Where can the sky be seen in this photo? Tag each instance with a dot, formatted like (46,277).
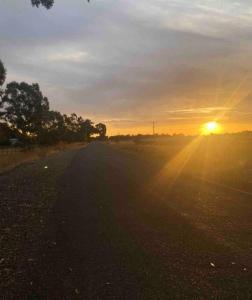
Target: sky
(127,63)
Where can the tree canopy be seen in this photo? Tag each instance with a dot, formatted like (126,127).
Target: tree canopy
(25,107)
(101,130)
(2,73)
(25,113)
(46,3)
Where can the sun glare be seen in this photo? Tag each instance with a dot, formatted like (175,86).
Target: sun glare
(210,127)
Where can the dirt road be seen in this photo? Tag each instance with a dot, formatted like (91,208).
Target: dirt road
(111,235)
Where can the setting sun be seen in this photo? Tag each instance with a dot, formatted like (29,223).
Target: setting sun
(210,127)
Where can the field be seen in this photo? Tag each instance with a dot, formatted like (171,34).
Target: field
(206,179)
(162,218)
(222,159)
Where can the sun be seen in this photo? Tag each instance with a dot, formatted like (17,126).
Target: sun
(211,127)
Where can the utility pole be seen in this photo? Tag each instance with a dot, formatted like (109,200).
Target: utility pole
(153,127)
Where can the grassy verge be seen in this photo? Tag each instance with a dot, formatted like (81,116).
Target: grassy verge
(13,159)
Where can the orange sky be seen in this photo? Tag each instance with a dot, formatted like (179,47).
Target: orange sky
(190,129)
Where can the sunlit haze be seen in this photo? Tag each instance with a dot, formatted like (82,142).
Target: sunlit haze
(211,128)
(128,63)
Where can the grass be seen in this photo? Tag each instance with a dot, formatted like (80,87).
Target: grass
(211,221)
(223,159)
(12,159)
(209,184)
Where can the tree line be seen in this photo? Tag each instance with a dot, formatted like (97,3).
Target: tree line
(25,114)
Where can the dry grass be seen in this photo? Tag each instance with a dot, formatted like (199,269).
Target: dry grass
(225,159)
(13,159)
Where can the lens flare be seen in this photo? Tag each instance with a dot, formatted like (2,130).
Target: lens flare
(211,127)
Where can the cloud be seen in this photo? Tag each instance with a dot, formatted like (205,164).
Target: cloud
(131,60)
(199,110)
(71,56)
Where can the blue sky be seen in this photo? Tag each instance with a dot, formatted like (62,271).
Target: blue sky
(127,63)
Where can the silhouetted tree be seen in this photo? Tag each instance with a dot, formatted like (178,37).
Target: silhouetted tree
(24,113)
(25,108)
(2,80)
(87,129)
(101,130)
(2,73)
(76,128)
(70,127)
(46,3)
(54,128)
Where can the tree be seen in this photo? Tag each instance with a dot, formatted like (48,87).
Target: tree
(101,130)
(25,108)
(2,73)
(24,113)
(46,3)
(86,129)
(54,128)
(2,80)
(76,128)
(71,127)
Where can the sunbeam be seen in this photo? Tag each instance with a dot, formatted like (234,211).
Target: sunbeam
(174,168)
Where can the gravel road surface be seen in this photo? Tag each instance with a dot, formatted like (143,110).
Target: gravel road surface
(91,224)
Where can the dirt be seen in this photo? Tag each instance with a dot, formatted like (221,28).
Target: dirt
(92,225)
(27,194)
